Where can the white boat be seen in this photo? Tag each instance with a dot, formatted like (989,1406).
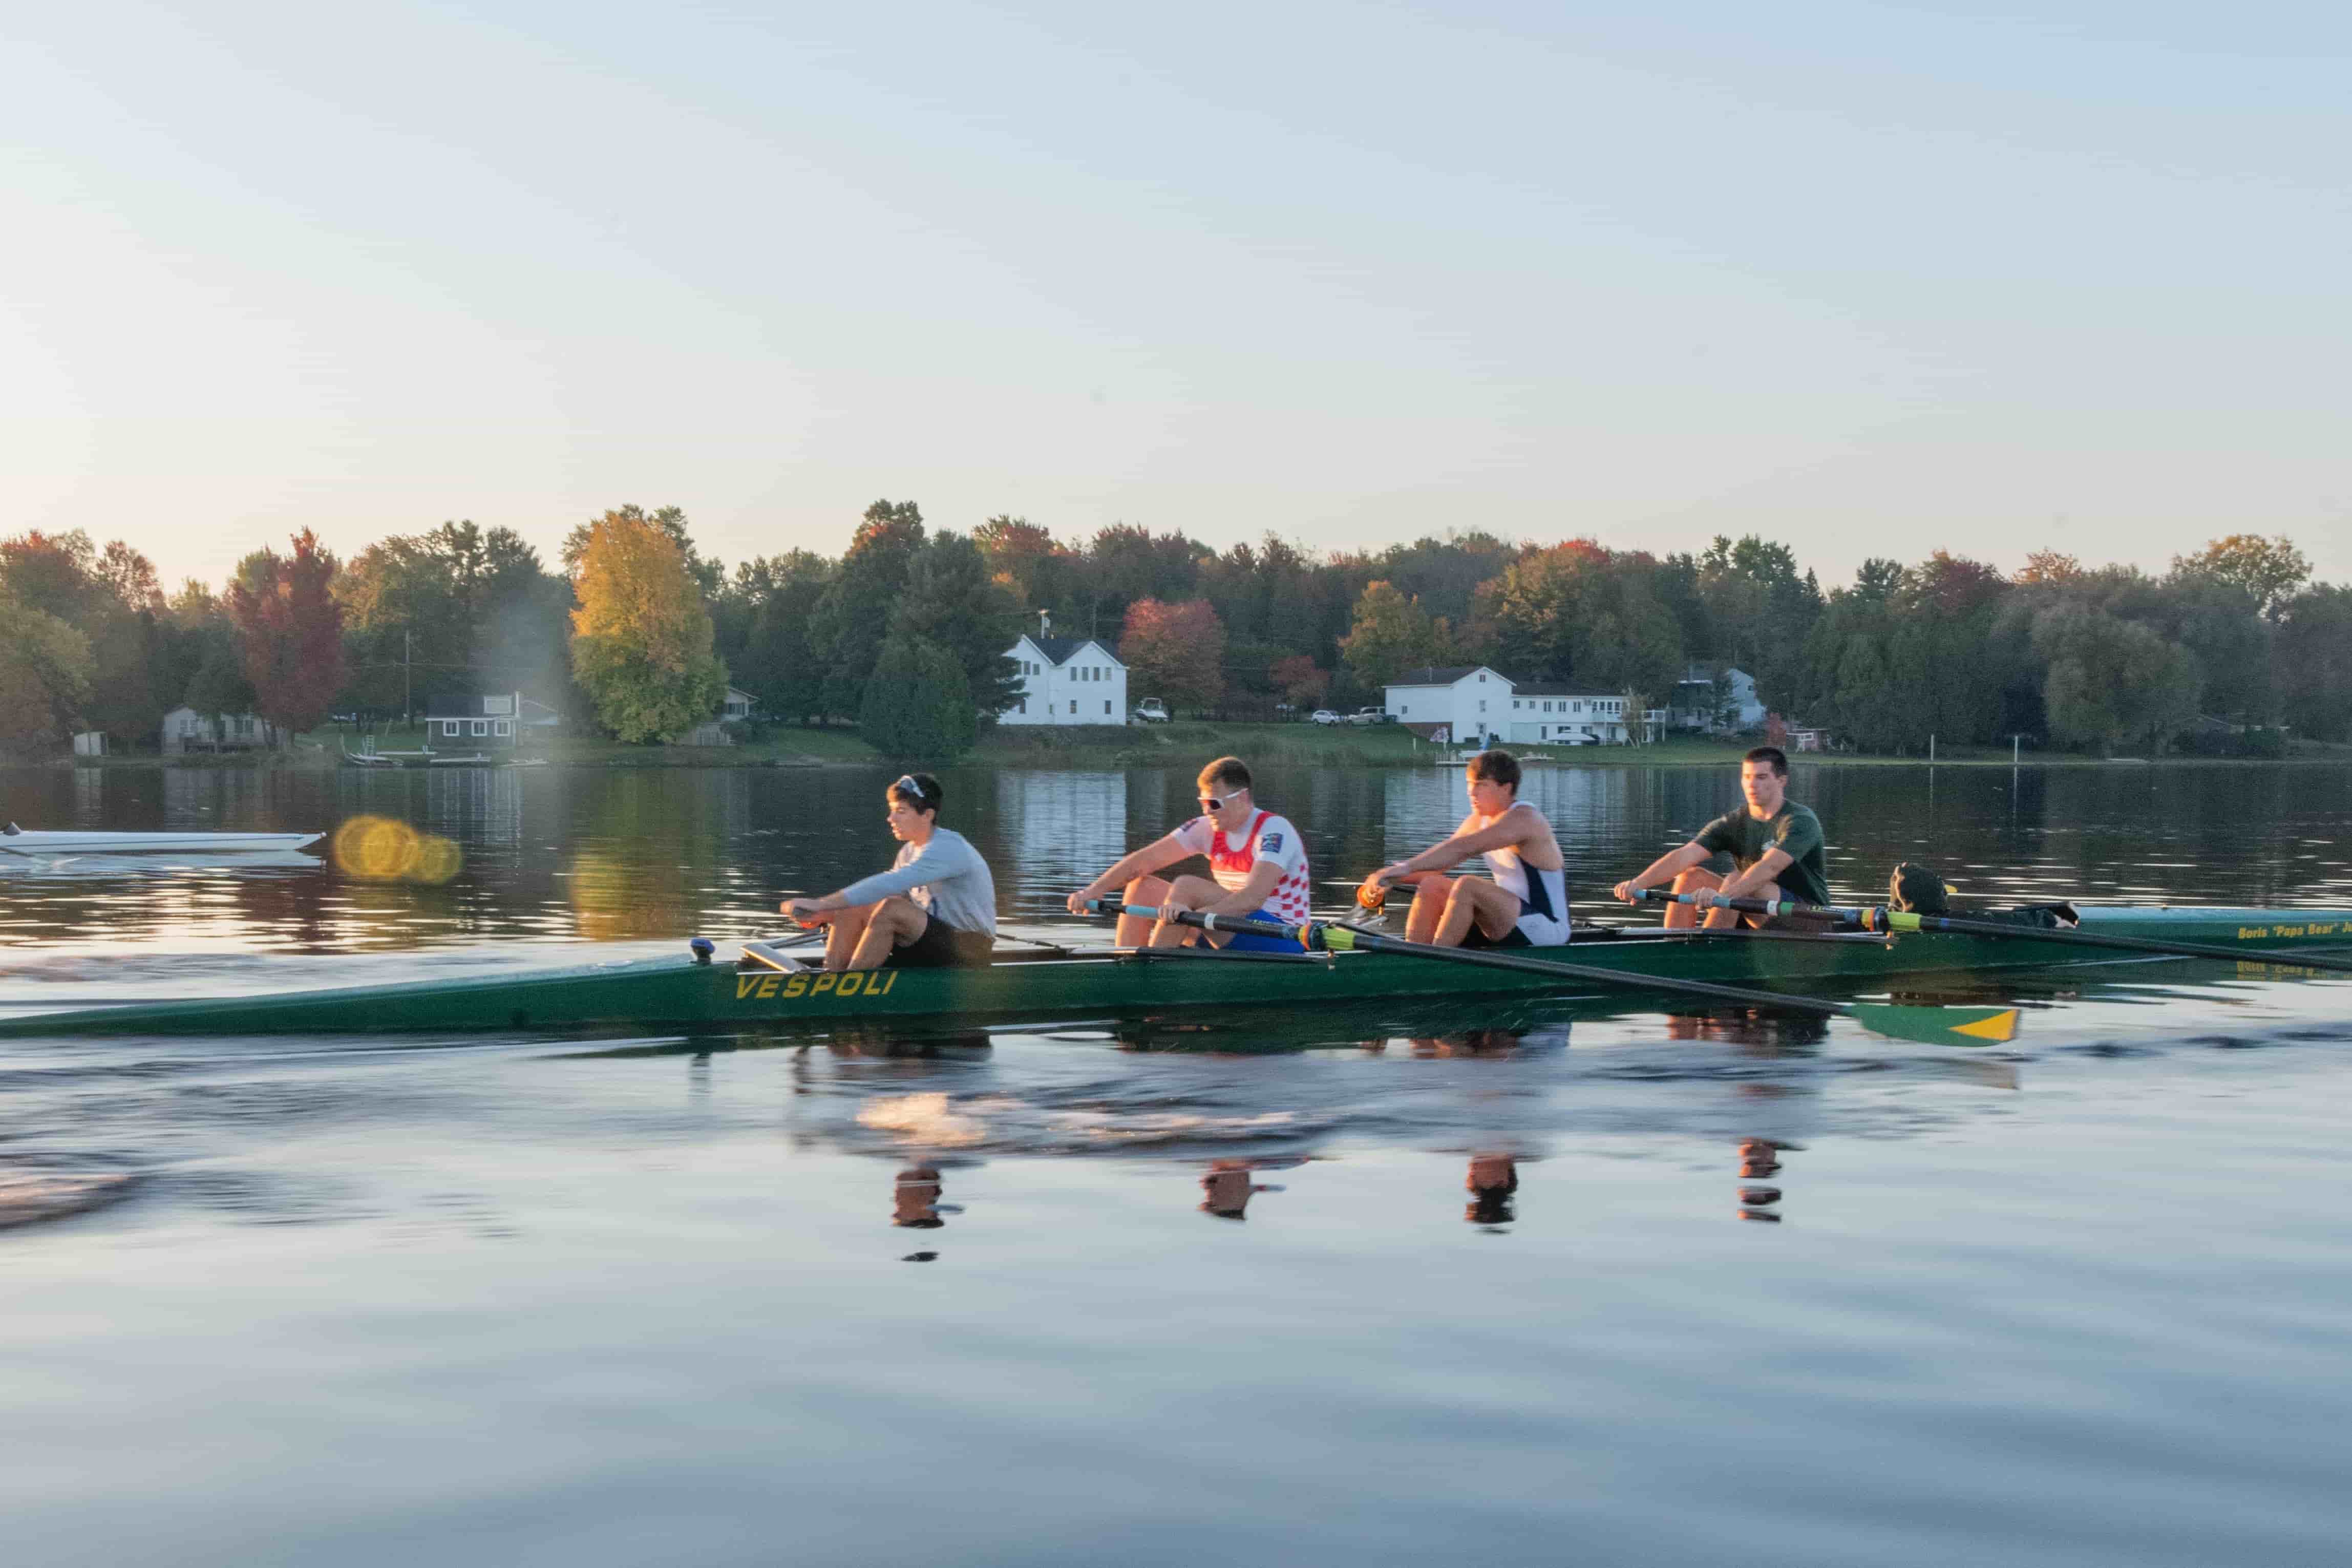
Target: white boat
(17,841)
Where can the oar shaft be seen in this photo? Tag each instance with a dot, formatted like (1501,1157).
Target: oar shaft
(1879,918)
(1341,939)
(1951,1026)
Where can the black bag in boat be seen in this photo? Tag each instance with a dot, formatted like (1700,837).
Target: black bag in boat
(1915,890)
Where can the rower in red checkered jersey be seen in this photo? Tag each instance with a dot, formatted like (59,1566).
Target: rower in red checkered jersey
(1258,869)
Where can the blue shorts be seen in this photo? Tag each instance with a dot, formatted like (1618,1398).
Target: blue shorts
(1242,942)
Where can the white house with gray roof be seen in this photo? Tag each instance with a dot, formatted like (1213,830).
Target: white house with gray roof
(1466,701)
(1471,702)
(1066,680)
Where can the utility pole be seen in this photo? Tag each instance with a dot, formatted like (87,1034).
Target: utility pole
(407,677)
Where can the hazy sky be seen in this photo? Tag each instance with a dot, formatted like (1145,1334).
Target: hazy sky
(1870,279)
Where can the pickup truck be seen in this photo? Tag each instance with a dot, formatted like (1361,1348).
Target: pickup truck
(1369,716)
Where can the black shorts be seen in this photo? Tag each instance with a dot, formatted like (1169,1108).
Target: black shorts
(943,946)
(1514,937)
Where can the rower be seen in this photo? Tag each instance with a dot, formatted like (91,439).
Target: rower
(1776,842)
(1526,903)
(934,909)
(1258,869)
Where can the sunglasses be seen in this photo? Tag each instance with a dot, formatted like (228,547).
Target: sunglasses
(1215,802)
(907,784)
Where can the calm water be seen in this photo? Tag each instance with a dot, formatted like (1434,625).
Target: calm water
(1175,1294)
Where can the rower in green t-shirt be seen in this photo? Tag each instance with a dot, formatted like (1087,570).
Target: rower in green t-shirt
(1776,843)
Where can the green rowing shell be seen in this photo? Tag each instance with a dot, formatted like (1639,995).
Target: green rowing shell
(681,993)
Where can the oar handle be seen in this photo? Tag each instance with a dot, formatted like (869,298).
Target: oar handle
(1305,935)
(1768,906)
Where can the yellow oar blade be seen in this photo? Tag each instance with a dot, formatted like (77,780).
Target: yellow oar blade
(1940,1026)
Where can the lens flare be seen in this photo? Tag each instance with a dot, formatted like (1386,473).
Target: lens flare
(380,850)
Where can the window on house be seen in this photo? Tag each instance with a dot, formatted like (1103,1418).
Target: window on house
(481,727)
(1074,706)
(449,728)
(1024,705)
(1105,707)
(503,727)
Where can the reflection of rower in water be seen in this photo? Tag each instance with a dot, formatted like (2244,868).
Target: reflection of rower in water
(934,909)
(1492,1180)
(1257,866)
(1772,1113)
(1228,1187)
(1526,903)
(915,1202)
(1776,842)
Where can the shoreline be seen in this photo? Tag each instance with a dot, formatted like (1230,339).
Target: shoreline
(1179,744)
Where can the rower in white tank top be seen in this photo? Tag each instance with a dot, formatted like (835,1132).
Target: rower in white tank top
(1525,904)
(1543,896)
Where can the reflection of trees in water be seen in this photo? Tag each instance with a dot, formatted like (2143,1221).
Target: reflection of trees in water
(646,855)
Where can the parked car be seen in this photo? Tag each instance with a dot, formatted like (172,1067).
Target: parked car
(1152,710)
(1324,716)
(1369,716)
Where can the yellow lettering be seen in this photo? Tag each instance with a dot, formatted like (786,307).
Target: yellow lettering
(745,984)
(851,984)
(795,984)
(824,983)
(889,978)
(768,987)
(2253,933)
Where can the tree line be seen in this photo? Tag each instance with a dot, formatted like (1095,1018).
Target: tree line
(636,631)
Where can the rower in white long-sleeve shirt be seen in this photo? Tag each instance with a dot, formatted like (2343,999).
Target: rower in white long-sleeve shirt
(934,909)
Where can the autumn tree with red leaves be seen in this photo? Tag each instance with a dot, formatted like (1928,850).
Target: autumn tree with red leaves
(1174,652)
(290,631)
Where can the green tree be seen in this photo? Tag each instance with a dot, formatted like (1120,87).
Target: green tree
(1390,635)
(641,645)
(916,704)
(110,597)
(954,601)
(44,674)
(2269,571)
(1759,608)
(2315,660)
(2112,680)
(854,613)
(781,665)
(1582,613)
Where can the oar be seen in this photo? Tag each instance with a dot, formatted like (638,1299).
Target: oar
(1929,1026)
(1879,918)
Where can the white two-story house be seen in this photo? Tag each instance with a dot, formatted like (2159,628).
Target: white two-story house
(1470,703)
(1066,680)
(1467,701)
(1562,715)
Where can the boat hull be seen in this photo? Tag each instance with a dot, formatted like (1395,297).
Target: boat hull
(680,993)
